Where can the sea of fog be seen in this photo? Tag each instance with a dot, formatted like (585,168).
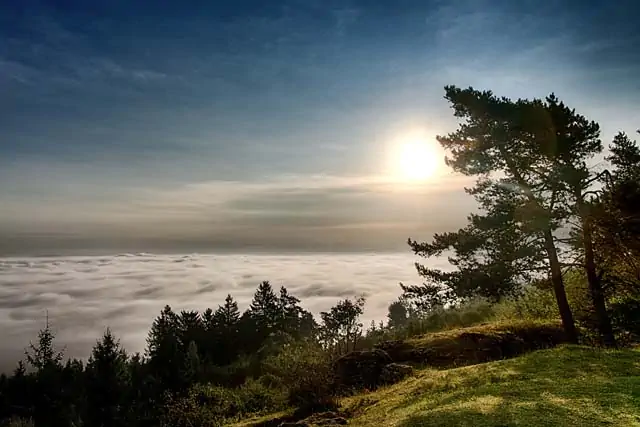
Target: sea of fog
(84,295)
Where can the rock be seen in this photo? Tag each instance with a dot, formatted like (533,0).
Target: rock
(400,351)
(338,421)
(395,372)
(327,419)
(361,369)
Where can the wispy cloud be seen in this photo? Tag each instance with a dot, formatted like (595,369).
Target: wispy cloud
(292,212)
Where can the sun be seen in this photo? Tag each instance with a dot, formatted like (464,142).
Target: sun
(415,159)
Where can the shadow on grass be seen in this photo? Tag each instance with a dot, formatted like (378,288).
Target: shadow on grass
(566,386)
(458,419)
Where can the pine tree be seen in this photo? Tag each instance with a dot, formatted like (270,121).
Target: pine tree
(191,329)
(164,351)
(294,320)
(43,354)
(264,308)
(225,332)
(107,383)
(192,363)
(264,314)
(227,315)
(616,217)
(49,403)
(512,148)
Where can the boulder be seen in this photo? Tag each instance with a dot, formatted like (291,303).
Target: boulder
(327,419)
(395,372)
(398,350)
(361,369)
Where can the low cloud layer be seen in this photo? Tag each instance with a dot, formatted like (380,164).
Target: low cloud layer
(84,295)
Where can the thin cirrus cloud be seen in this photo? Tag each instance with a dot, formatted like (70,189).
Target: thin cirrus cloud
(305,213)
(145,125)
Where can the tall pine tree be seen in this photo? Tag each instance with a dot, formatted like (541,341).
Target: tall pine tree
(502,143)
(108,383)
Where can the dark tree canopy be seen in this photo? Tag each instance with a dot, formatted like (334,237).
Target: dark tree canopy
(531,160)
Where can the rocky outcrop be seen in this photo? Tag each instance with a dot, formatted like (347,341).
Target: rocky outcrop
(474,345)
(394,372)
(361,369)
(321,419)
(368,370)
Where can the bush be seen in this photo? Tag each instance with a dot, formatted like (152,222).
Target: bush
(227,403)
(269,380)
(213,405)
(306,373)
(533,304)
(187,411)
(17,422)
(625,317)
(233,375)
(256,397)
(460,316)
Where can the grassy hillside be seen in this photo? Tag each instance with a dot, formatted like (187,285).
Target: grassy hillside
(565,386)
(476,344)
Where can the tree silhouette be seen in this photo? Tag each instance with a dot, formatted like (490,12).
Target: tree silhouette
(166,360)
(43,355)
(50,407)
(263,316)
(510,146)
(398,315)
(341,329)
(108,383)
(294,320)
(224,330)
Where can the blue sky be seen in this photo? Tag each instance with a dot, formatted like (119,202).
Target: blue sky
(175,125)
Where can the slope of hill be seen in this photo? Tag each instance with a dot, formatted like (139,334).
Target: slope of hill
(565,386)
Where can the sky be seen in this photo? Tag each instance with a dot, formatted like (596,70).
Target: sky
(169,126)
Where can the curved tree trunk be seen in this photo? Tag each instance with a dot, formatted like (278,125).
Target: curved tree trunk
(595,284)
(568,322)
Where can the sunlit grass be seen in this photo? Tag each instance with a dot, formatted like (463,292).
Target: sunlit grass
(566,386)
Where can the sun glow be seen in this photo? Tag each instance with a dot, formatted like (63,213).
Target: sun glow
(415,159)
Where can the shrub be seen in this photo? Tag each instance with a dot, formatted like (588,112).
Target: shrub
(466,314)
(233,375)
(187,411)
(17,422)
(270,380)
(625,317)
(306,373)
(533,304)
(256,397)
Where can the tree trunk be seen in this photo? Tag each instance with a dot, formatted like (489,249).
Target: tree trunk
(558,288)
(595,284)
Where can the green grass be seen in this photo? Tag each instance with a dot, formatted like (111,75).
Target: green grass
(565,386)
(476,344)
